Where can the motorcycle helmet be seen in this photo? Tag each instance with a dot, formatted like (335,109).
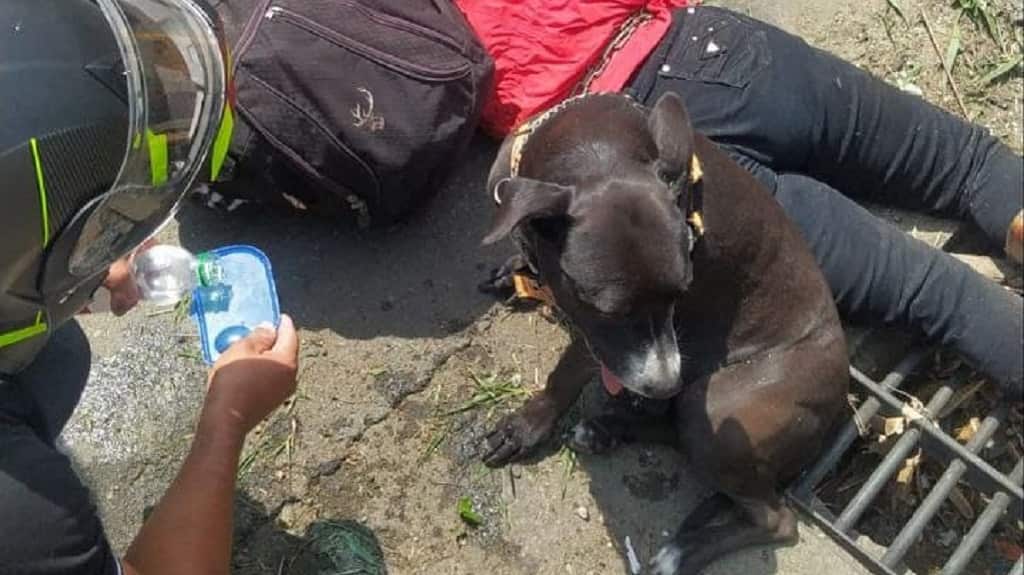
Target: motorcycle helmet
(109,110)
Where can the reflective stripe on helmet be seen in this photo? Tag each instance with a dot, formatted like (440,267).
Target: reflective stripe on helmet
(220,145)
(157,157)
(39,327)
(44,211)
(20,335)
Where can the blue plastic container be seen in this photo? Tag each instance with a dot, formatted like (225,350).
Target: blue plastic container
(245,298)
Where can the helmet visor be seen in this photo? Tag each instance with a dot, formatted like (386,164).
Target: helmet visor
(175,71)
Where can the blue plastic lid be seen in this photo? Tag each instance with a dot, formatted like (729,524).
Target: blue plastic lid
(244,298)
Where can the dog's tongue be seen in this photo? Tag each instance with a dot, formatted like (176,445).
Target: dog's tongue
(611,383)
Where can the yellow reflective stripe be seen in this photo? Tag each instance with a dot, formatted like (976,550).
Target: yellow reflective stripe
(157,157)
(44,210)
(220,145)
(38,328)
(20,335)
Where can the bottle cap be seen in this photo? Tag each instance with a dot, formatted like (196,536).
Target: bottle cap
(209,270)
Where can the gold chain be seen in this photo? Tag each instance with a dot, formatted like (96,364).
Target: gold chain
(625,33)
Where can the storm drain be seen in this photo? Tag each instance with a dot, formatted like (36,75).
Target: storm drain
(962,466)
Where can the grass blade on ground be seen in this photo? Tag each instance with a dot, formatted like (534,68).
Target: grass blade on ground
(1002,69)
(491,391)
(898,10)
(953,49)
(467,513)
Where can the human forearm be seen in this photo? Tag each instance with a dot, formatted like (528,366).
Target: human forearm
(190,530)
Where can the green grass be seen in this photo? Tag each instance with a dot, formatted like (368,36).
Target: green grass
(258,451)
(1009,57)
(1002,69)
(191,354)
(468,513)
(442,432)
(895,7)
(183,308)
(978,11)
(569,461)
(491,391)
(953,48)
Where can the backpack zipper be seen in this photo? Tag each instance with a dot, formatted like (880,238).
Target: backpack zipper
(248,33)
(403,24)
(331,36)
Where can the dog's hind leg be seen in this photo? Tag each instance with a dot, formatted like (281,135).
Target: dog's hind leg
(755,522)
(713,510)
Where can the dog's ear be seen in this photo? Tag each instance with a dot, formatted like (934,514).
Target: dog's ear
(522,200)
(670,127)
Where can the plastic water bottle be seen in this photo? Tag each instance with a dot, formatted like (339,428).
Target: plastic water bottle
(233,288)
(166,274)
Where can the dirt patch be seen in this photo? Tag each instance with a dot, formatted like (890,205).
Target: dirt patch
(405,478)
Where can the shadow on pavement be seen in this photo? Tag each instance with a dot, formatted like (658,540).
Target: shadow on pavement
(644,492)
(416,280)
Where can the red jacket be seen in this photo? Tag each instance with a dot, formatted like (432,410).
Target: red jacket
(542,49)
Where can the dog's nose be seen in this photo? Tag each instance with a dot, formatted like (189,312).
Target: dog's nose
(659,374)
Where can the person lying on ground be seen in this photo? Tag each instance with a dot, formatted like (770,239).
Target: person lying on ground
(819,132)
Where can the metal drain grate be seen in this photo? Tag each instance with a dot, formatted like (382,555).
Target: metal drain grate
(962,463)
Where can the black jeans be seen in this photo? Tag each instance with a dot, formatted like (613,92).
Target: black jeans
(818,131)
(48,521)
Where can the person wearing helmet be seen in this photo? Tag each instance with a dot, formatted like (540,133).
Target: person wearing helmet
(110,110)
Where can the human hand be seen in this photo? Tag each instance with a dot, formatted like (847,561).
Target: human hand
(120,283)
(252,378)
(122,292)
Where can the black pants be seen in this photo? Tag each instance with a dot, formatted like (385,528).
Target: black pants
(48,521)
(818,131)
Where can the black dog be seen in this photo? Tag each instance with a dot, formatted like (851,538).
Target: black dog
(683,285)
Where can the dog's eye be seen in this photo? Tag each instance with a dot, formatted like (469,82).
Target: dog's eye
(668,177)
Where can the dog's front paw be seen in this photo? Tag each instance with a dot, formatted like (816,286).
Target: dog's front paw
(667,561)
(592,437)
(518,434)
